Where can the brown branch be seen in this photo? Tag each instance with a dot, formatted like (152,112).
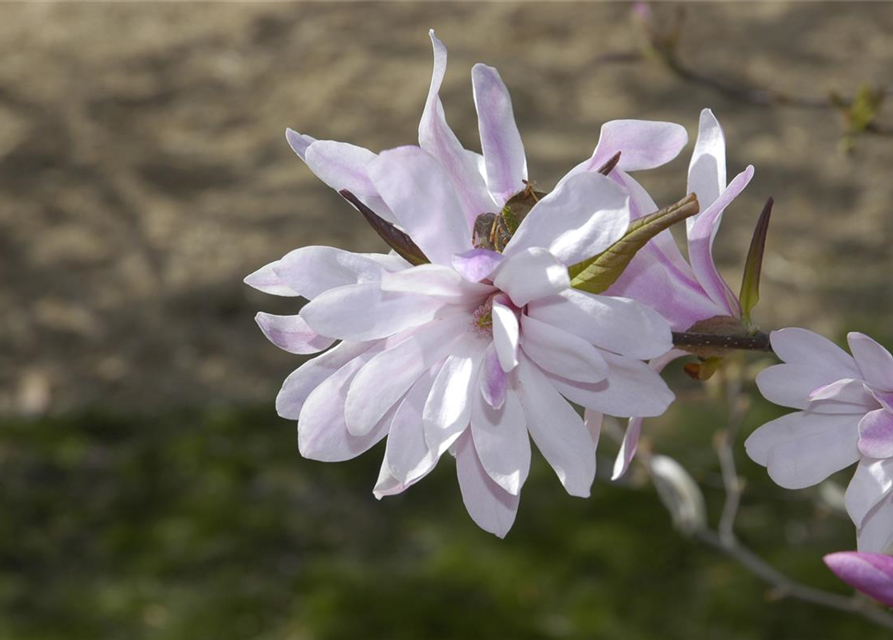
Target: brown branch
(757,342)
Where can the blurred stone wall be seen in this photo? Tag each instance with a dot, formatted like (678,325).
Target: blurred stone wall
(144,171)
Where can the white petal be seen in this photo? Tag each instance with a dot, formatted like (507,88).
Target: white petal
(291,333)
(800,346)
(642,144)
(504,156)
(579,219)
(448,410)
(322,432)
(365,312)
(875,362)
(390,374)
(491,507)
(632,388)
(298,142)
(418,191)
(530,274)
(707,169)
(436,281)
(494,381)
(501,440)
(311,374)
(802,449)
(436,137)
(876,533)
(407,453)
(557,430)
(311,271)
(791,385)
(561,353)
(266,280)
(506,333)
(620,325)
(872,482)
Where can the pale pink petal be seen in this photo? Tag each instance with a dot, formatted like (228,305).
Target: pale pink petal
(506,333)
(885,398)
(298,142)
(593,421)
(407,454)
(875,362)
(504,156)
(311,271)
(436,281)
(448,409)
(663,246)
(800,346)
(530,274)
(621,325)
(846,390)
(322,432)
(291,333)
(501,441)
(386,484)
(642,144)
(707,169)
(700,245)
(303,380)
(578,220)
(560,352)
(802,449)
(870,573)
(872,483)
(634,428)
(631,388)
(266,280)
(436,137)
(628,448)
(365,312)
(491,507)
(418,191)
(494,380)
(390,374)
(876,434)
(342,166)
(876,533)
(791,385)
(345,166)
(557,430)
(476,264)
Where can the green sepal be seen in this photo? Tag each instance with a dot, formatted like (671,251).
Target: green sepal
(750,283)
(597,273)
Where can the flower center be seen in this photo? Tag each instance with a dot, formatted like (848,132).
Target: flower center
(482,318)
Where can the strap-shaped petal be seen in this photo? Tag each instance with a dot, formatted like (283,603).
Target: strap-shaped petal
(504,157)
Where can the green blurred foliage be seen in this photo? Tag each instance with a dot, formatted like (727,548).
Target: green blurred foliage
(208,524)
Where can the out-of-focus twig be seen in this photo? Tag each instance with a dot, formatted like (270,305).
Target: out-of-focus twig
(662,37)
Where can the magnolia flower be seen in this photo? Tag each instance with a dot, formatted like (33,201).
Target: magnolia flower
(685,294)
(474,350)
(846,416)
(870,573)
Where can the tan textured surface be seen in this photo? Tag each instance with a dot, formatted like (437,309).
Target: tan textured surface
(143,170)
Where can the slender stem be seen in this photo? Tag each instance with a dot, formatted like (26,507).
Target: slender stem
(757,342)
(725,450)
(785,587)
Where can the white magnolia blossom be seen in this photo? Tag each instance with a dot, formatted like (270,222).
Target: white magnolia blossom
(477,351)
(845,417)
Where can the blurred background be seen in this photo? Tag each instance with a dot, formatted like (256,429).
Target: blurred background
(147,488)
